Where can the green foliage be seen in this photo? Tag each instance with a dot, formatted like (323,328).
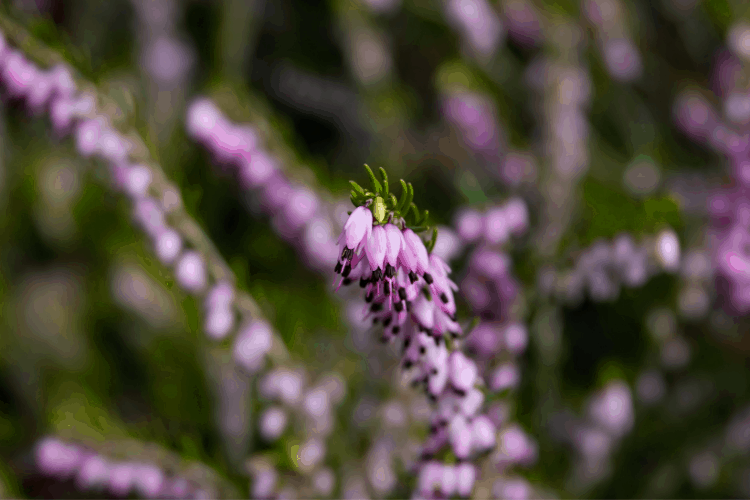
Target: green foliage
(608,212)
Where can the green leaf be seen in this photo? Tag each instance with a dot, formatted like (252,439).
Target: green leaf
(431,244)
(404,195)
(423,220)
(419,229)
(415,210)
(357,188)
(409,198)
(375,183)
(378,209)
(394,201)
(385,180)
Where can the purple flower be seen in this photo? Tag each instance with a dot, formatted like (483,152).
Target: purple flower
(470,224)
(272,423)
(482,433)
(459,433)
(258,170)
(466,474)
(623,59)
(94,473)
(57,459)
(168,246)
(358,233)
(87,136)
(148,480)
(463,371)
(375,249)
(414,254)
(18,74)
(252,344)
(191,272)
(121,479)
(264,483)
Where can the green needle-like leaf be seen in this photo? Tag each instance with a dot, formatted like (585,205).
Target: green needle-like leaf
(423,220)
(375,183)
(404,195)
(409,198)
(394,201)
(385,181)
(431,244)
(357,188)
(415,210)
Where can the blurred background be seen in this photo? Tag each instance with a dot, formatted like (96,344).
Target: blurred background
(604,117)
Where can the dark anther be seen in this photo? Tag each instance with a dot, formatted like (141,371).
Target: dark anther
(433,429)
(455,335)
(377,275)
(443,296)
(344,253)
(413,277)
(432,397)
(376,307)
(407,343)
(347,270)
(415,383)
(369,297)
(437,340)
(347,281)
(375,321)
(363,282)
(396,329)
(387,321)
(389,271)
(387,288)
(402,293)
(408,305)
(428,278)
(460,392)
(349,253)
(337,269)
(422,350)
(408,364)
(399,306)
(434,371)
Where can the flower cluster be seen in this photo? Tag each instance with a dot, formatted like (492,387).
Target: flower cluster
(391,262)
(605,266)
(596,437)
(94,472)
(409,292)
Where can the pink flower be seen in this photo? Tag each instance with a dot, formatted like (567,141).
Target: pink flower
(465,474)
(394,240)
(460,436)
(414,255)
(375,249)
(358,232)
(440,285)
(463,371)
(482,433)
(252,344)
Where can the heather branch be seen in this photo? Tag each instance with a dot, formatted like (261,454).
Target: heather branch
(159,186)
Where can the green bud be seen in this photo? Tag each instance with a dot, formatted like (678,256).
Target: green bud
(378,209)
